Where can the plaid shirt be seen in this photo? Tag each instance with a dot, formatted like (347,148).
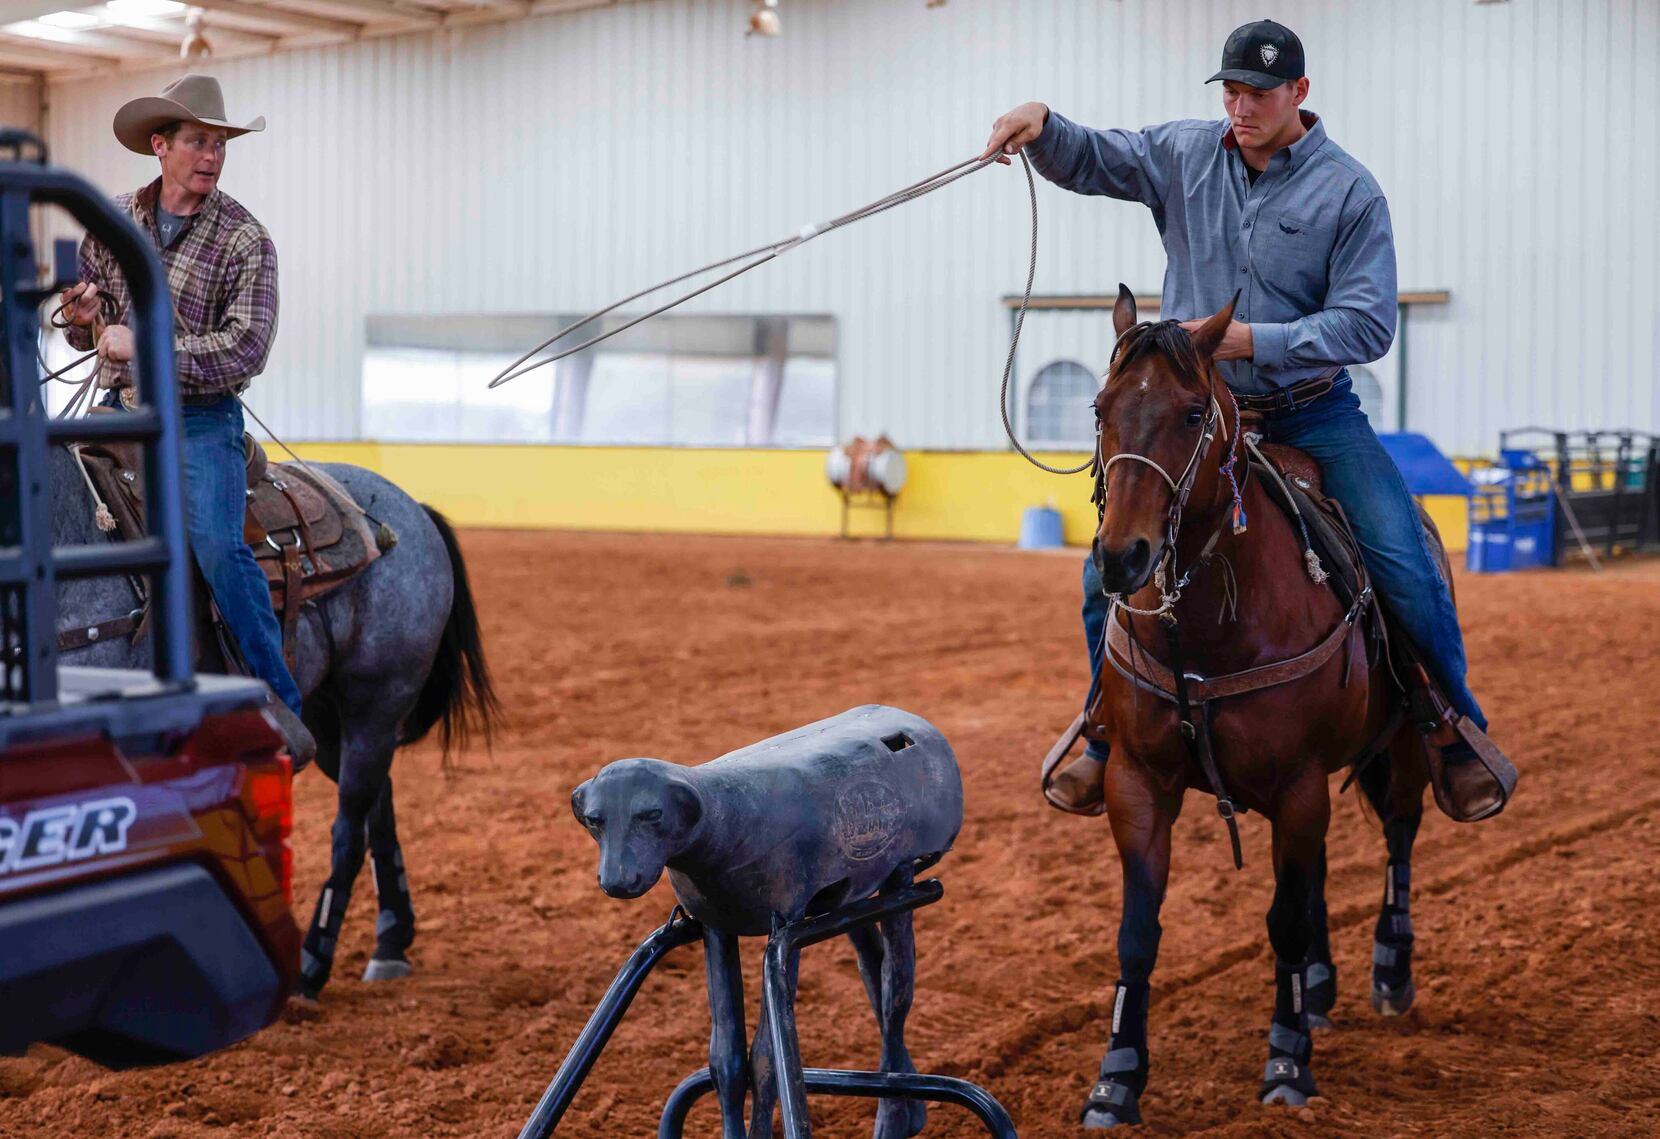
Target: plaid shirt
(222,274)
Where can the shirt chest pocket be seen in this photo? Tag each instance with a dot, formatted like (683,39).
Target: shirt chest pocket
(1293,250)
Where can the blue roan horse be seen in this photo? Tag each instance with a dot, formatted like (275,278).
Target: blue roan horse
(382,660)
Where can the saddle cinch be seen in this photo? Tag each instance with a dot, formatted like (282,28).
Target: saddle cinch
(306,532)
(1292,480)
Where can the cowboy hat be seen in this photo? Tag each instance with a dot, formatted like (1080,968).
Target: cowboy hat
(193,99)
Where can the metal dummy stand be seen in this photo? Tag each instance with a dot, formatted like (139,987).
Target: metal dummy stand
(873,499)
(794,1081)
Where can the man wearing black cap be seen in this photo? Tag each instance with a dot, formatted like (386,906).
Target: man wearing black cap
(1263,202)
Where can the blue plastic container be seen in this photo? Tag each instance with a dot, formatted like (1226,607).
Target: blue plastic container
(1512,515)
(1041,529)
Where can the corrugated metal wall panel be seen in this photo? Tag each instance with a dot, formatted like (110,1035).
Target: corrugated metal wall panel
(20,104)
(553,164)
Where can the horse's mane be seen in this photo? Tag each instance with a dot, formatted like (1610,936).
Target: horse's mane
(1166,338)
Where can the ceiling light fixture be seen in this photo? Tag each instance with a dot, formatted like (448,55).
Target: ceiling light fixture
(69,19)
(764,20)
(195,47)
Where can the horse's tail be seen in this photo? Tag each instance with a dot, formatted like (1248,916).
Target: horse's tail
(458,696)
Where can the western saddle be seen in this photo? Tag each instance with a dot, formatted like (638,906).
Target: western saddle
(306,532)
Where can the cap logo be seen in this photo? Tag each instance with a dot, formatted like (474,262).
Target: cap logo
(1269,54)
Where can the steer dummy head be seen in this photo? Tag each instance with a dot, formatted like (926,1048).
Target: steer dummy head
(642,812)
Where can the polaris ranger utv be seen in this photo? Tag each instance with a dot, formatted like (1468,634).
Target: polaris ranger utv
(145,872)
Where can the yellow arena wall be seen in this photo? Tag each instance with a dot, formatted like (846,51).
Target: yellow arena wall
(974,496)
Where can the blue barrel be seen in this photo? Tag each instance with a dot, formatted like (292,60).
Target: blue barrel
(1041,529)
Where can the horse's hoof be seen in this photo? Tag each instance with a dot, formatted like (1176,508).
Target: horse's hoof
(395,969)
(1111,1104)
(301,1008)
(1287,1095)
(1315,1020)
(1097,1120)
(1286,1081)
(1393,1002)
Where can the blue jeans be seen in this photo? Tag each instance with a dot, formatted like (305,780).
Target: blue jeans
(215,485)
(1359,473)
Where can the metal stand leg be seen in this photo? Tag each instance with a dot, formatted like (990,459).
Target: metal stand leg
(679,930)
(794,1082)
(828,1081)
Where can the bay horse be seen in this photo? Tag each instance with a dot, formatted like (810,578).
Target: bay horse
(1215,684)
(381,661)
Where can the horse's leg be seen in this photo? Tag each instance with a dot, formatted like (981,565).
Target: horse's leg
(1319,973)
(365,762)
(1396,792)
(1300,818)
(763,1073)
(727,1063)
(1141,814)
(395,924)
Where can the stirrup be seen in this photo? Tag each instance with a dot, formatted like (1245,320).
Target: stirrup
(1479,780)
(1063,747)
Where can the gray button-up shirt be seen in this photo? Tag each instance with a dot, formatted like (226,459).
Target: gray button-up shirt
(1308,246)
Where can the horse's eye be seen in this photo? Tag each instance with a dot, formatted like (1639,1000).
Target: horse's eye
(1195,416)
(650,816)
(592,822)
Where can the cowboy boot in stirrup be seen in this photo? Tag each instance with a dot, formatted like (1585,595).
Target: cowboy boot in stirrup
(1472,779)
(298,741)
(1078,789)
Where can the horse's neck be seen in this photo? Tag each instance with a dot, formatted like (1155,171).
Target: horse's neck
(1251,602)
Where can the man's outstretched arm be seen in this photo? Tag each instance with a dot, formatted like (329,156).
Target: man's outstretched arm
(1132,165)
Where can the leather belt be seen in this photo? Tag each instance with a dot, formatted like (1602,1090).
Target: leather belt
(1288,398)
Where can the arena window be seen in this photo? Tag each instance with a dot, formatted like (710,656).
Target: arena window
(1057,406)
(698,381)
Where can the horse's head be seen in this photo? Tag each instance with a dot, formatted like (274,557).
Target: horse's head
(1161,417)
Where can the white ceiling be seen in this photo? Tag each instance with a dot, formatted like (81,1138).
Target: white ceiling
(138,34)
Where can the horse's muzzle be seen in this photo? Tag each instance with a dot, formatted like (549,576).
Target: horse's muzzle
(1123,571)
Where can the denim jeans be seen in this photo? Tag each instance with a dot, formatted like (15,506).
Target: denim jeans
(1359,473)
(215,485)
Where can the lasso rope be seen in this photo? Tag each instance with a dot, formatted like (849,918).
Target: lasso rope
(755,258)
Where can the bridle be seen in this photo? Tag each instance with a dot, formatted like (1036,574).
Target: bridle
(1165,578)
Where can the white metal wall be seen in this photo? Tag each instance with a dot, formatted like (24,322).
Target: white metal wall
(20,104)
(556,163)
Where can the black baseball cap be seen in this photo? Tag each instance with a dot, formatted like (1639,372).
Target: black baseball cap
(1263,54)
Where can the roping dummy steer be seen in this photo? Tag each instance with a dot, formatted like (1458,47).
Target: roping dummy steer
(799,825)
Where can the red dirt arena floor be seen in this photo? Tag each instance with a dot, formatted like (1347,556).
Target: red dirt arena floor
(1538,971)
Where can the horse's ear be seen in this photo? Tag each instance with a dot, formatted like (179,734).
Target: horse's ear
(1210,333)
(1123,310)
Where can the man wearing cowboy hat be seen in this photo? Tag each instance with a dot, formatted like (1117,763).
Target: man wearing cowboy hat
(222,274)
(1262,202)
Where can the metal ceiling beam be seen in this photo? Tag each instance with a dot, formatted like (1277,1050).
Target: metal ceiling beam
(281,17)
(387,11)
(100,42)
(172,31)
(28,54)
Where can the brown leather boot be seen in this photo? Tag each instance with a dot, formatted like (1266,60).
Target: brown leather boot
(1078,789)
(1472,779)
(297,738)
